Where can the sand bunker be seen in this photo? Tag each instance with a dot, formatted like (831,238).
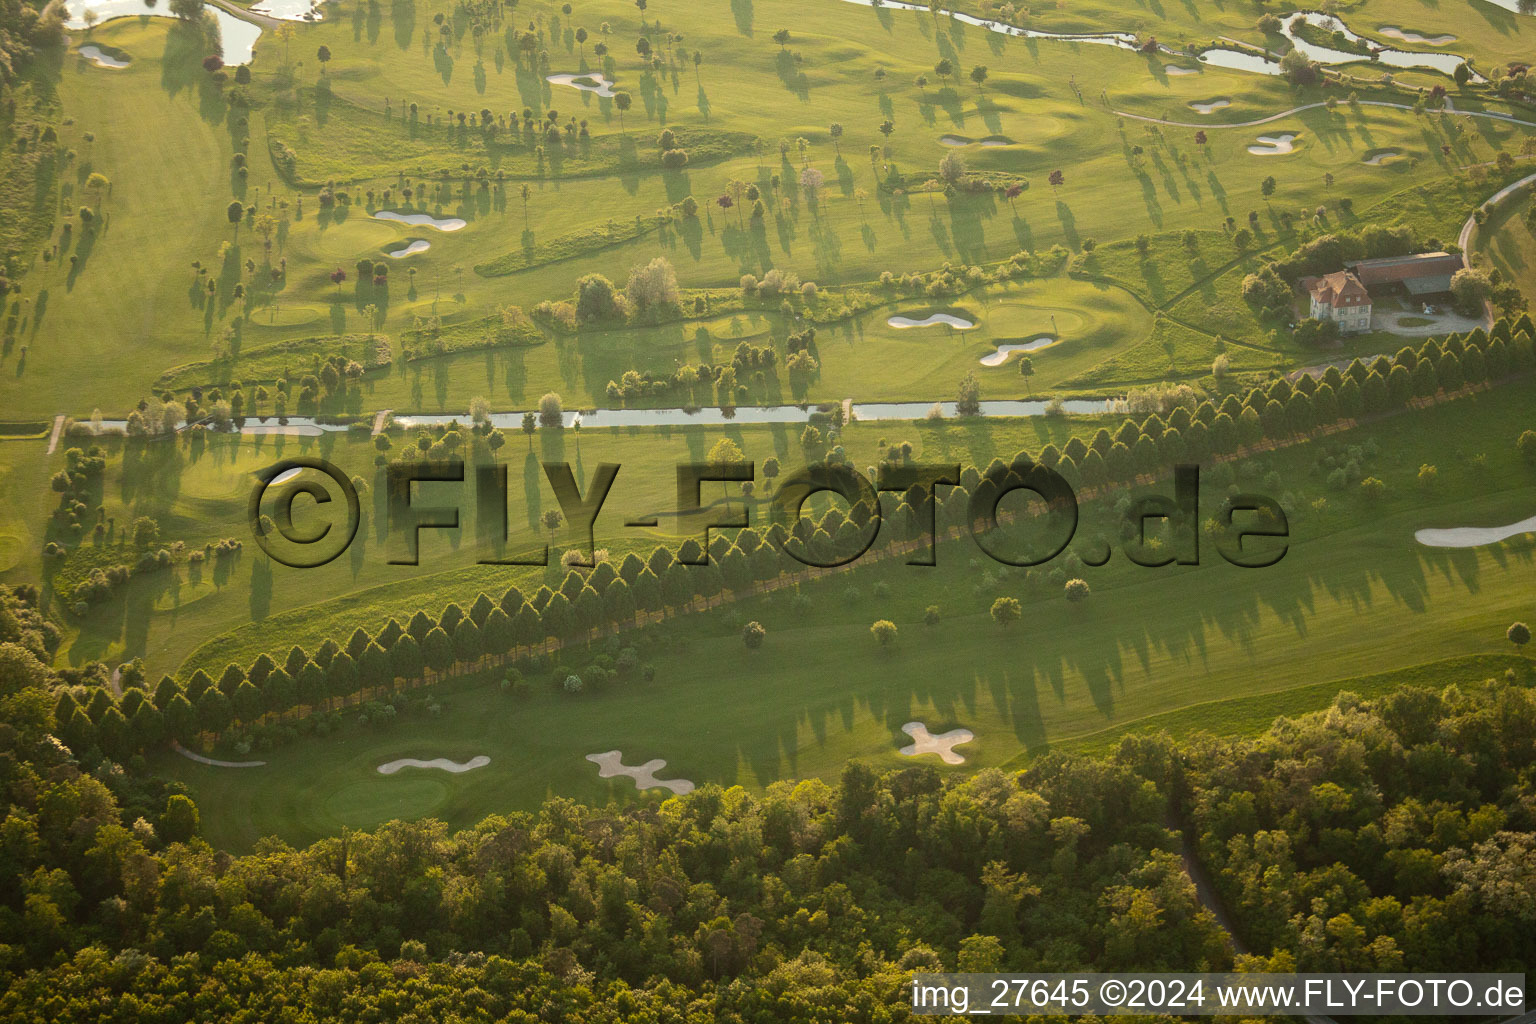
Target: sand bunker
(1393,32)
(422,220)
(441,763)
(924,742)
(928,321)
(1377,157)
(1473,536)
(101,60)
(417,245)
(965,140)
(1000,357)
(1207,106)
(1274,145)
(1174,69)
(592,81)
(611,764)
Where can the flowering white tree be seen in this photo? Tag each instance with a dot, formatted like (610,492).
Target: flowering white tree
(810,180)
(653,284)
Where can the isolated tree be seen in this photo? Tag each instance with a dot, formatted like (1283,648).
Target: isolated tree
(1076,590)
(551,520)
(979,76)
(1057,179)
(622,101)
(781,37)
(323,55)
(725,452)
(235,211)
(1519,634)
(951,168)
(581,40)
(1006,611)
(836,132)
(1026,370)
(753,634)
(944,69)
(884,631)
(525,192)
(968,399)
(530,424)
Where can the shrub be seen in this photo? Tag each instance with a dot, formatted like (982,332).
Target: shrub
(1527,446)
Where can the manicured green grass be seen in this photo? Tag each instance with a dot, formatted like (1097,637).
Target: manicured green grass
(1146,643)
(88,347)
(1509,241)
(125,310)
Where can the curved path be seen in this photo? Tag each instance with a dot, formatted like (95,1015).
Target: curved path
(1464,240)
(1492,115)
(200,759)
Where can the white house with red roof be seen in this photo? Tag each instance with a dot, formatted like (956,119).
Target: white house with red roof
(1340,297)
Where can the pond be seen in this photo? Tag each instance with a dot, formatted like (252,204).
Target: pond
(1274,145)
(422,220)
(1223,57)
(1446,63)
(1122,40)
(1000,357)
(1516,6)
(712,416)
(591,81)
(306,426)
(1239,60)
(959,323)
(238,36)
(290,10)
(101,60)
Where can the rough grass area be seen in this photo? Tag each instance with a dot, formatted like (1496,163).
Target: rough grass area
(577,243)
(264,363)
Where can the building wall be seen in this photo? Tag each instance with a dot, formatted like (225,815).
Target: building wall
(1349,318)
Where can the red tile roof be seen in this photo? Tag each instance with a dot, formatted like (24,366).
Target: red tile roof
(1397,269)
(1338,289)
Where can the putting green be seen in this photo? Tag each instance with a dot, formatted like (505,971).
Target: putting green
(357,236)
(175,598)
(12,549)
(367,802)
(285,316)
